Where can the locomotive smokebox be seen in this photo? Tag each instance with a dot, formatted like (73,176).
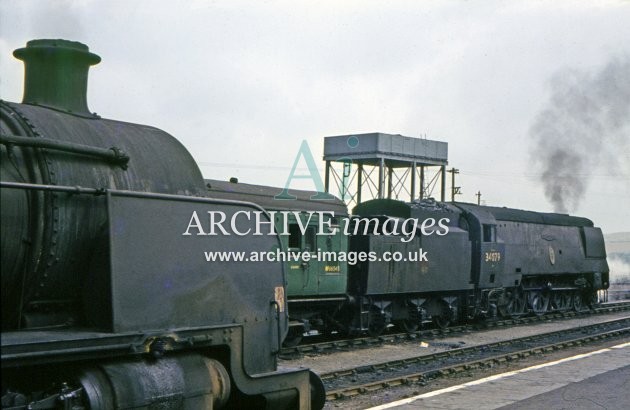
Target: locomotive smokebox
(56,74)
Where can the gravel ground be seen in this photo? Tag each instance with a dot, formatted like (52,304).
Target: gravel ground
(324,363)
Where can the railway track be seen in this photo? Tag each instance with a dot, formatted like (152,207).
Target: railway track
(356,381)
(430,334)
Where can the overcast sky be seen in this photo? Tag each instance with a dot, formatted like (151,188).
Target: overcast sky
(241,84)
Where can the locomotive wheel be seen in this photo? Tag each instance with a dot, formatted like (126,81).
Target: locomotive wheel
(377,322)
(412,323)
(539,303)
(562,301)
(409,325)
(578,303)
(516,305)
(443,319)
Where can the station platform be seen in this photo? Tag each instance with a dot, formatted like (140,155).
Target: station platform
(594,380)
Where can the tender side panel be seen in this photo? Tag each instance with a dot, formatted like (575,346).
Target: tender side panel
(160,278)
(446,268)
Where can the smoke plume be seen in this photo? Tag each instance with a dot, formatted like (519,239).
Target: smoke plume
(619,268)
(586,122)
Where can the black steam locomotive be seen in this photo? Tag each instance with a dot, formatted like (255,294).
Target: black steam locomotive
(493,262)
(105,304)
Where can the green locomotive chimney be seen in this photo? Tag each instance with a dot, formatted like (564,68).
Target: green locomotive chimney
(56,73)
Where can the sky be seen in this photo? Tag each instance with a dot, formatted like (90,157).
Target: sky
(521,91)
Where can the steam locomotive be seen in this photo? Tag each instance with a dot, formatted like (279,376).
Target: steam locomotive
(485,262)
(105,304)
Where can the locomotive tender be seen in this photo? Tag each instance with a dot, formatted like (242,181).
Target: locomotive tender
(102,307)
(492,262)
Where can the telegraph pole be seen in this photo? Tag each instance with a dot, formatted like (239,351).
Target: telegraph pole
(455,190)
(478,194)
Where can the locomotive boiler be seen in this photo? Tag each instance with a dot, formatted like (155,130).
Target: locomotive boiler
(105,304)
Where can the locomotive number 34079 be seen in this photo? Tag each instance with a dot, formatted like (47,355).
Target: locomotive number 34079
(492,256)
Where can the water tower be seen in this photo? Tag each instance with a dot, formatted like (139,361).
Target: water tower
(360,167)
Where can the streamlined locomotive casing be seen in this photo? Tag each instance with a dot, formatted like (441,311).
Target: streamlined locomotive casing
(540,247)
(100,288)
(508,261)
